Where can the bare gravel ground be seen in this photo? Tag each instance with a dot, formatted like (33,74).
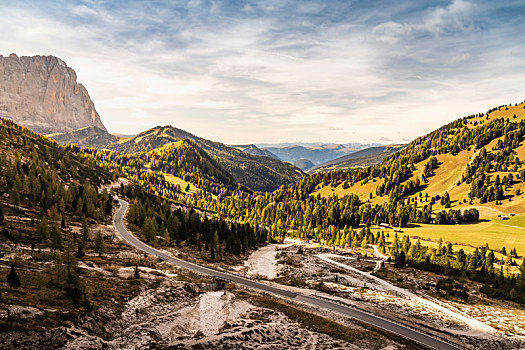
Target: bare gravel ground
(495,325)
(177,311)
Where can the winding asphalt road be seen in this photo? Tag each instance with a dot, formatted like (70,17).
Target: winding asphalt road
(395,328)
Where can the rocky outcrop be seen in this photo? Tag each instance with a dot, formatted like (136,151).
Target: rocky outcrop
(42,93)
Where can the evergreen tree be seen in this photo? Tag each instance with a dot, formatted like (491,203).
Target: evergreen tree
(214,246)
(99,243)
(85,230)
(12,278)
(80,249)
(166,238)
(73,283)
(150,229)
(56,238)
(508,264)
(2,219)
(400,260)
(522,274)
(42,230)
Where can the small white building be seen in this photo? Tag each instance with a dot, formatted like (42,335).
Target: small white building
(383,224)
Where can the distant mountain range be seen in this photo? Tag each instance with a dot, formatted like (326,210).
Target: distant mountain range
(256,151)
(308,155)
(366,157)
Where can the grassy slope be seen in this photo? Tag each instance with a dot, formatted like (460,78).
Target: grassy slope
(496,233)
(172,178)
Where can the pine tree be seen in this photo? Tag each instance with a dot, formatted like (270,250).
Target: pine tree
(80,249)
(508,264)
(12,278)
(400,259)
(522,273)
(214,246)
(137,274)
(73,283)
(85,230)
(2,219)
(166,237)
(364,243)
(42,230)
(149,230)
(99,243)
(56,238)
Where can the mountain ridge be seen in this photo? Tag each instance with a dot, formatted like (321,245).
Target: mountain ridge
(364,157)
(317,153)
(259,173)
(256,151)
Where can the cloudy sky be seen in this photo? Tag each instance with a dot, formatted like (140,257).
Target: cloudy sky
(274,71)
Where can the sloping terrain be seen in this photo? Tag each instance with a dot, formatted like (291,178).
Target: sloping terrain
(316,153)
(474,162)
(256,151)
(258,173)
(304,164)
(91,136)
(454,154)
(362,158)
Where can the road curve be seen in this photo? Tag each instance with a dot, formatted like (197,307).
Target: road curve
(392,327)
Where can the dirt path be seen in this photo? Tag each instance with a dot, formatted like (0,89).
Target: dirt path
(521,228)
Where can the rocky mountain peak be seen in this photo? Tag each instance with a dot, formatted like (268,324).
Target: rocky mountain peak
(42,93)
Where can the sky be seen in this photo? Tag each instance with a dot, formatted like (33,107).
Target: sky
(281,71)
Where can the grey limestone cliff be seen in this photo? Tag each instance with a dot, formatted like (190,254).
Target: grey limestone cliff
(42,93)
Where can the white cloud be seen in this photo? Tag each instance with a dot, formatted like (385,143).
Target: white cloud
(267,77)
(456,17)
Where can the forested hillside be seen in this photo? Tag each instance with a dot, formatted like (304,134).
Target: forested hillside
(180,167)
(35,171)
(186,227)
(45,192)
(258,173)
(55,225)
(471,161)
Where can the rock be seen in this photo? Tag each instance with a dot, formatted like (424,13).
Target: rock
(192,288)
(42,93)
(198,335)
(88,323)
